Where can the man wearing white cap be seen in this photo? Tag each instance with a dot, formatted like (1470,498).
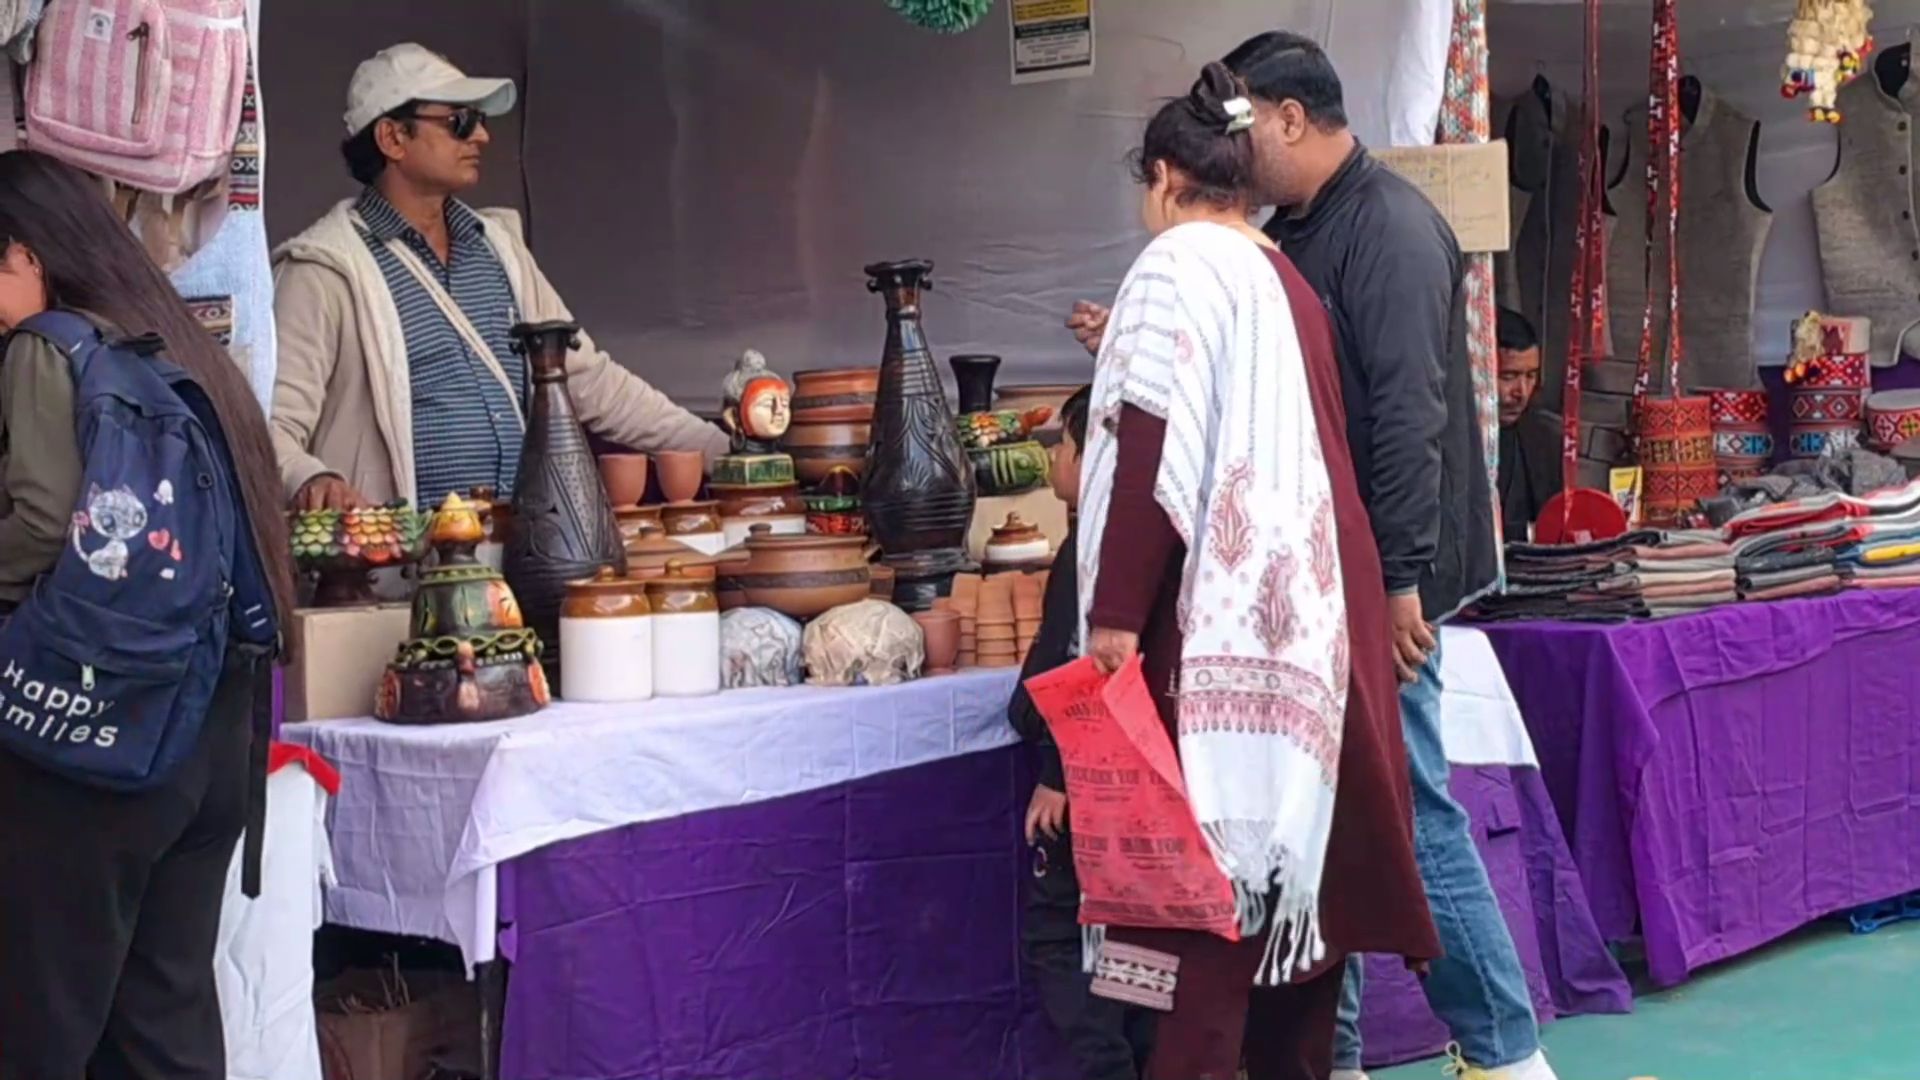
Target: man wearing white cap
(397,378)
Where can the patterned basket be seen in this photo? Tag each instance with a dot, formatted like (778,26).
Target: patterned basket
(1676,456)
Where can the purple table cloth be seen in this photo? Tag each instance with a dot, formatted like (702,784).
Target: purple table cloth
(1725,778)
(871,930)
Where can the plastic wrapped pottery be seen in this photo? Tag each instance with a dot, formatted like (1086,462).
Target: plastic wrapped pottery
(758,647)
(869,643)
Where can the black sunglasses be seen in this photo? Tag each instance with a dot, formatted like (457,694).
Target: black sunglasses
(462,122)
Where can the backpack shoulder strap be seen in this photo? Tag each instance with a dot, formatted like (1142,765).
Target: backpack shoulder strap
(66,331)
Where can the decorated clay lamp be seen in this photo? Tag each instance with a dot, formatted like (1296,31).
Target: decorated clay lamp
(470,656)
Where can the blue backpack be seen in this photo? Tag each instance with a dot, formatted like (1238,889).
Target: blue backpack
(108,668)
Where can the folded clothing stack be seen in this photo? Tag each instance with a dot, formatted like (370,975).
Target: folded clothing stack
(1640,575)
(1818,544)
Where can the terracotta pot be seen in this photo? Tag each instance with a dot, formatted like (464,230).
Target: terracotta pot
(819,448)
(882,580)
(606,631)
(626,478)
(841,394)
(942,631)
(695,524)
(1024,398)
(744,505)
(680,473)
(649,554)
(803,576)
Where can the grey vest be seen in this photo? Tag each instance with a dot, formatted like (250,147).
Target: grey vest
(1869,246)
(1536,276)
(1722,232)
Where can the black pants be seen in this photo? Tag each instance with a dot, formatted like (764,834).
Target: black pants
(109,909)
(1110,1041)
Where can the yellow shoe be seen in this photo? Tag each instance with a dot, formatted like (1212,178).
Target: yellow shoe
(1533,1068)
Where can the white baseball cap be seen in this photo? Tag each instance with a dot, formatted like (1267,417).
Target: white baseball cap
(412,72)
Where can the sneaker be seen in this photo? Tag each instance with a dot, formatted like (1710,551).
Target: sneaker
(1533,1068)
(1349,1074)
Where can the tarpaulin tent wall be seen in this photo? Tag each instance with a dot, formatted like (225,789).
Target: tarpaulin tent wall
(705,177)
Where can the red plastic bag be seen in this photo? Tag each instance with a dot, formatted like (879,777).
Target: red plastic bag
(1138,850)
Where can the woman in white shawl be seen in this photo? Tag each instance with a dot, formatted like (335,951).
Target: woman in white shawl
(1223,539)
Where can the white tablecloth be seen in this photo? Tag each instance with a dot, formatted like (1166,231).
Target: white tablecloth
(426,815)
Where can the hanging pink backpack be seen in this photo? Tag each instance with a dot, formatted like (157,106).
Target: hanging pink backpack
(144,92)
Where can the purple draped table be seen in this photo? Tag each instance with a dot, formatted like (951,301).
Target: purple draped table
(1725,778)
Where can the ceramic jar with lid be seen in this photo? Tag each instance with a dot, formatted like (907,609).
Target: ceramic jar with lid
(606,632)
(695,524)
(686,631)
(1017,545)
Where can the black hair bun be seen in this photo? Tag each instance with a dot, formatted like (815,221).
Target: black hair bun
(1216,86)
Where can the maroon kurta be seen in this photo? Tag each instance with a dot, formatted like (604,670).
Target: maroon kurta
(1371,897)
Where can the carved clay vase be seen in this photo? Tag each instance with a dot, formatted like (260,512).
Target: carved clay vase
(973,375)
(919,487)
(563,524)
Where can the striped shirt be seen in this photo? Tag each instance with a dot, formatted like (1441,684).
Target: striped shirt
(467,428)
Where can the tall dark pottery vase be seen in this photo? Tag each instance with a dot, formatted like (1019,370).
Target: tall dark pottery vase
(919,490)
(564,529)
(973,376)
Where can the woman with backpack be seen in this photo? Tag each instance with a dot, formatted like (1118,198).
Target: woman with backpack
(143,560)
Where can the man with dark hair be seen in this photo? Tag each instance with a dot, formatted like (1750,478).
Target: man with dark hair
(1530,471)
(397,377)
(1391,273)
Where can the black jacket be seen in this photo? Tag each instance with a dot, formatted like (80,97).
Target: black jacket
(1052,647)
(1391,274)
(1530,472)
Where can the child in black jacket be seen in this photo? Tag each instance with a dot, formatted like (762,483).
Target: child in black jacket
(1109,1040)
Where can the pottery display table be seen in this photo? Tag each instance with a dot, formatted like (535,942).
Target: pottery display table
(1728,777)
(760,883)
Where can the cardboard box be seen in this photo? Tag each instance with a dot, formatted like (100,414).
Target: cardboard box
(343,653)
(1467,183)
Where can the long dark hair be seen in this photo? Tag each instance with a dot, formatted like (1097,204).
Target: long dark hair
(1190,134)
(92,263)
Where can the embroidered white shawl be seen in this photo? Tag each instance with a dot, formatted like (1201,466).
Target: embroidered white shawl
(1202,336)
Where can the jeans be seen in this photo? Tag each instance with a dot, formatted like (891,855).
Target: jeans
(1478,988)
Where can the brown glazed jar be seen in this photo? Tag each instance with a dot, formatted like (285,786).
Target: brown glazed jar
(607,629)
(686,631)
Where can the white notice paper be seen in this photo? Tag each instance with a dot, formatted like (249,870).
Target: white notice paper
(1052,39)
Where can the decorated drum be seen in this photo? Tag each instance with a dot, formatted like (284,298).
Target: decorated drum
(1893,417)
(1826,406)
(1738,408)
(1676,456)
(1819,440)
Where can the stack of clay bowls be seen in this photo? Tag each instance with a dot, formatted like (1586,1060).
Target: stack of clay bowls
(1026,612)
(1829,406)
(995,622)
(832,421)
(965,602)
(1742,443)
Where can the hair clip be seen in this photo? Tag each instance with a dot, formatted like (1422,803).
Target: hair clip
(1239,114)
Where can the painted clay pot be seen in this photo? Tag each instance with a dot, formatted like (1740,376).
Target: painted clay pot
(606,632)
(686,631)
(680,473)
(1024,399)
(1011,468)
(743,506)
(843,394)
(818,448)
(1016,544)
(942,630)
(695,524)
(626,478)
(803,576)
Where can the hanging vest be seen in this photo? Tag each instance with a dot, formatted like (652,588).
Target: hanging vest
(1869,245)
(1543,139)
(1722,232)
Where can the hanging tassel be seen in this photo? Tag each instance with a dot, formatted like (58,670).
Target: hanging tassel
(943,16)
(1092,940)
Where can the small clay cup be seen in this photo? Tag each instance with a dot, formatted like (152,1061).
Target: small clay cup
(626,478)
(942,630)
(680,473)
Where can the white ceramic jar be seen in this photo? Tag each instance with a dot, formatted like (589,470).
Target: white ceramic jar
(606,634)
(686,631)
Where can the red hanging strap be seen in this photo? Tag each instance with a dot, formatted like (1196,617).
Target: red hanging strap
(1587,322)
(1663,186)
